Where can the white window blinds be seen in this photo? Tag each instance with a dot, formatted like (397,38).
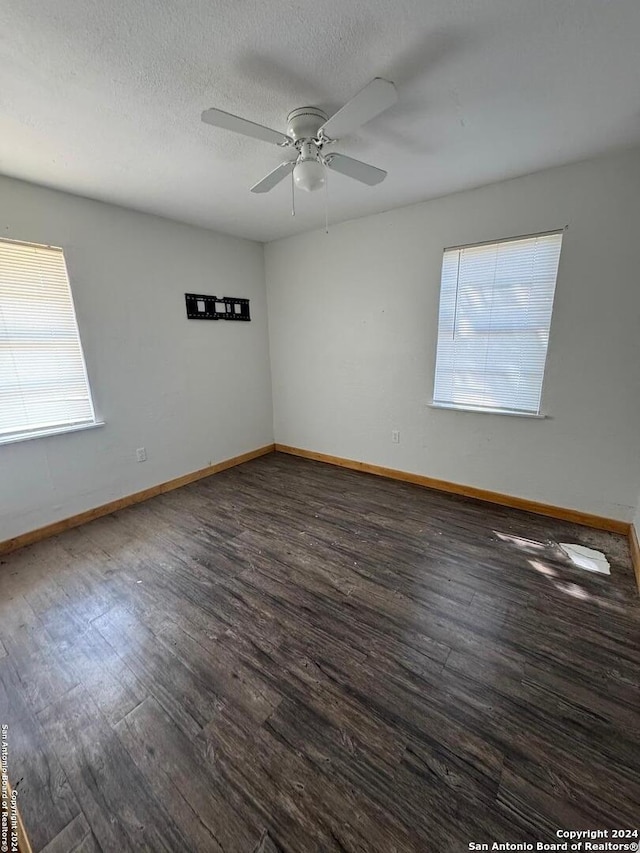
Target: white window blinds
(43,380)
(496,301)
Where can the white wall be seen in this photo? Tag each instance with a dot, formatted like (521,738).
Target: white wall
(191,392)
(353,324)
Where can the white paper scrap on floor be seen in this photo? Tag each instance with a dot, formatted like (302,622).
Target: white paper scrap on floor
(587,558)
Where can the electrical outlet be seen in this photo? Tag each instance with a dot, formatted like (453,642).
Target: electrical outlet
(395,436)
(141,454)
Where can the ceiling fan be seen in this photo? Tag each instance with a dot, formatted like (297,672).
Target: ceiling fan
(310,133)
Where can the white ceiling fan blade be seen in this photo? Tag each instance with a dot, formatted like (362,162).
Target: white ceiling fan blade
(362,172)
(376,97)
(274,177)
(218,118)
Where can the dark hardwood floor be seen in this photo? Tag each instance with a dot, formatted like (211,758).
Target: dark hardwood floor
(293,657)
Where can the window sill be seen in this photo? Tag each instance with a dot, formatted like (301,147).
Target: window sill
(484,411)
(43,433)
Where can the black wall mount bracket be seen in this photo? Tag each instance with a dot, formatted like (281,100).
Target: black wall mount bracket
(216,308)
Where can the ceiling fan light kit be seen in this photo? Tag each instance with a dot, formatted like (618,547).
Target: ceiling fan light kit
(309,132)
(308,174)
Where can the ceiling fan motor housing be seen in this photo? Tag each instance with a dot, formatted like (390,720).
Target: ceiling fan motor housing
(305,122)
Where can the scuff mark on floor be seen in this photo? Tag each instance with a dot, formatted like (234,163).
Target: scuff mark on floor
(266,844)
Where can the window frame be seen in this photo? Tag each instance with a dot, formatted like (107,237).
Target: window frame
(468,407)
(29,434)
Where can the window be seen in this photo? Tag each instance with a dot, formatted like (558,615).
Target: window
(496,301)
(43,379)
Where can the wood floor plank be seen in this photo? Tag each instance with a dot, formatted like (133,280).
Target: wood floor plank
(113,794)
(233,683)
(110,682)
(47,803)
(42,671)
(76,837)
(305,811)
(212,814)
(190,701)
(55,610)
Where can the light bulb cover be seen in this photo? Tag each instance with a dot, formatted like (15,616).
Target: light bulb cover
(309,175)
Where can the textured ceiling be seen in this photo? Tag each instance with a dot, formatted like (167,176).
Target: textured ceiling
(103,99)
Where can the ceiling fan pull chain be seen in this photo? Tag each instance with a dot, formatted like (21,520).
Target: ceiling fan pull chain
(293,196)
(326,201)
